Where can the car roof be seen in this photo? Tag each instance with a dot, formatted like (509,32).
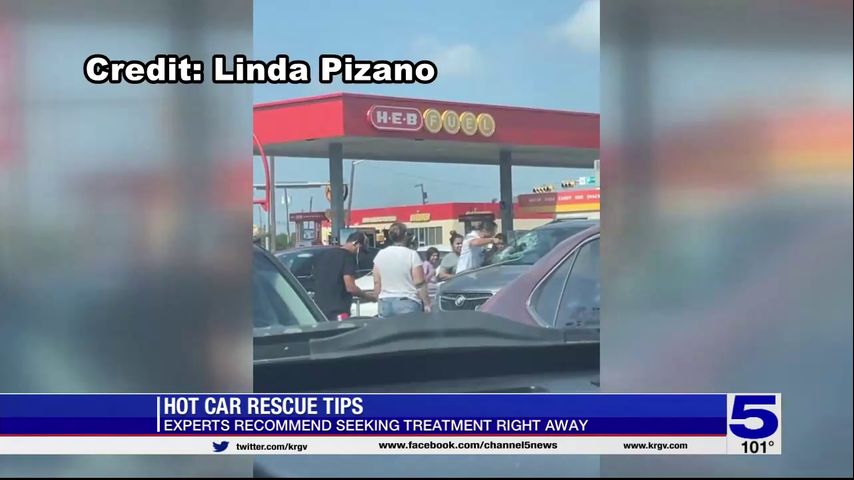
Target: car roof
(569,223)
(304,249)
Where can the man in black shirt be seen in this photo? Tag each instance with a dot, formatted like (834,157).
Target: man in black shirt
(335,279)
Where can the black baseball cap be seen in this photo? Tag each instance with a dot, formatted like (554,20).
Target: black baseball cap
(357,238)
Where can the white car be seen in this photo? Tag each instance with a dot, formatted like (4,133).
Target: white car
(360,307)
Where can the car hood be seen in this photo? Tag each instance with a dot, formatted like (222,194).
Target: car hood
(487,279)
(408,333)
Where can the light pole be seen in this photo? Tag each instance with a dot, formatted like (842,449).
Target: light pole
(271,208)
(286,201)
(423,193)
(350,199)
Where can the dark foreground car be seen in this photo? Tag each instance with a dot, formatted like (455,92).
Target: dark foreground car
(469,290)
(448,352)
(297,351)
(561,290)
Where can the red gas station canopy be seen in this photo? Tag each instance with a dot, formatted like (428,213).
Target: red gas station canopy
(392,128)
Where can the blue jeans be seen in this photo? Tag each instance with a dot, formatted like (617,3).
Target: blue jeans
(389,307)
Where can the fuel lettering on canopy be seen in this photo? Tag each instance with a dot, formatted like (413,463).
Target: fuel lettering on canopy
(447,122)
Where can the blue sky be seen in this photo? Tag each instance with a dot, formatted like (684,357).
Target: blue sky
(541,53)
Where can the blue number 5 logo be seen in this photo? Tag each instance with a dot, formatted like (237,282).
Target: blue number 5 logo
(741,412)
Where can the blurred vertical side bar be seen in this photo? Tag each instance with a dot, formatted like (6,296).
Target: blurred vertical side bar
(125,215)
(727,217)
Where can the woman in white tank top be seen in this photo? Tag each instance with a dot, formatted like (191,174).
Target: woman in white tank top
(399,276)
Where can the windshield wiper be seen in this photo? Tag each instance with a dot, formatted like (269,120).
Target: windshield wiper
(426,332)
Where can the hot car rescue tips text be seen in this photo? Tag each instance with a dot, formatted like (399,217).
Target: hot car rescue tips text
(287,414)
(166,69)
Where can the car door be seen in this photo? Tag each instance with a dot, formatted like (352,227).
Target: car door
(302,266)
(569,296)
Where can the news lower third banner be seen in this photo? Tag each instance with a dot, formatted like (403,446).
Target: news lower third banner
(391,424)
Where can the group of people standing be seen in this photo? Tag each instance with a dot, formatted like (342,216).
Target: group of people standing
(403,283)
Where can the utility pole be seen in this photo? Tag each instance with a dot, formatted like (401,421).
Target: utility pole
(287,202)
(423,193)
(271,212)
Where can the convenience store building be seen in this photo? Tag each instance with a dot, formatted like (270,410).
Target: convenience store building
(433,223)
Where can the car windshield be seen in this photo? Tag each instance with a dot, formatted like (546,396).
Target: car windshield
(532,246)
(275,301)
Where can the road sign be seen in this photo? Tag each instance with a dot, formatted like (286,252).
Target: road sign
(328,192)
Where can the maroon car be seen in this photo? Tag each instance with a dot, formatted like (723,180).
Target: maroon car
(561,290)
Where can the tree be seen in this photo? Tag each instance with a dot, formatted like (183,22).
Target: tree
(283,242)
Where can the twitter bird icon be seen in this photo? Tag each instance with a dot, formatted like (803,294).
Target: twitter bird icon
(220,447)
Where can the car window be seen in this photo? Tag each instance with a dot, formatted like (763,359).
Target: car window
(365,260)
(534,245)
(579,304)
(274,299)
(547,295)
(300,264)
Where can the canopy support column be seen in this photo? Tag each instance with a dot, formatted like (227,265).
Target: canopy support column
(336,184)
(505,164)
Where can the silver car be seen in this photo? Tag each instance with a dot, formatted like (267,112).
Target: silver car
(470,289)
